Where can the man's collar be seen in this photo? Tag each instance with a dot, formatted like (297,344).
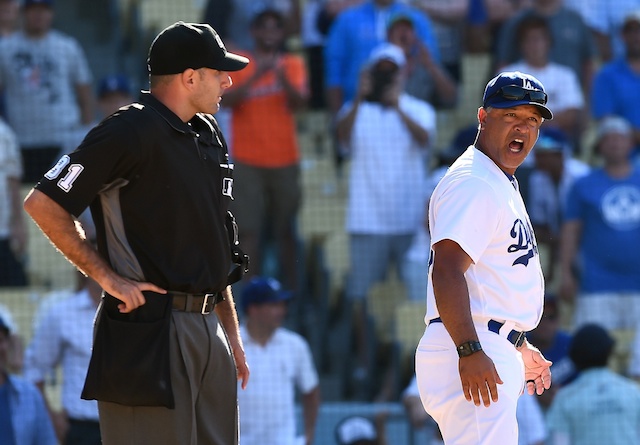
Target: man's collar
(149,100)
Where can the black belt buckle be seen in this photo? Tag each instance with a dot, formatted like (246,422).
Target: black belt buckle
(205,302)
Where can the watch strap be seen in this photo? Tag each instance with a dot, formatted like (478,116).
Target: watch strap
(467,348)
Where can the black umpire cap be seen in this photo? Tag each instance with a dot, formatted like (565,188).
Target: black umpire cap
(191,45)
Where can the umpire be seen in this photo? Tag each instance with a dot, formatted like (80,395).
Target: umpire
(157,177)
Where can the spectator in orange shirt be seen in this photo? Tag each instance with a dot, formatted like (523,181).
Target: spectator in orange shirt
(264,99)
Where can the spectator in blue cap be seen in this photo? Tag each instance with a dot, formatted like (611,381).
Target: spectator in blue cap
(114,91)
(280,361)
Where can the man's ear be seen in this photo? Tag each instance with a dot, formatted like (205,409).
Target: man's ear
(188,77)
(482,118)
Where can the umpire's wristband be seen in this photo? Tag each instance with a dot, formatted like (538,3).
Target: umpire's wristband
(468,348)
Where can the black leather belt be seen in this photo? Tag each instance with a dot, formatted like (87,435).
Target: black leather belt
(202,303)
(515,337)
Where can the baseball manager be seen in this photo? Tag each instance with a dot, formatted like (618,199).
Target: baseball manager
(485,288)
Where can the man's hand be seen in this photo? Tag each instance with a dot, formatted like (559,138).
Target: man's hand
(129,292)
(266,63)
(60,422)
(479,378)
(537,369)
(241,365)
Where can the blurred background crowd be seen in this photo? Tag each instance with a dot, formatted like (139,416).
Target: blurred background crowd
(341,126)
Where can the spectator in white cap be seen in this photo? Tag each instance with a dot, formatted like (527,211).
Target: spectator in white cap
(359,430)
(601,233)
(387,133)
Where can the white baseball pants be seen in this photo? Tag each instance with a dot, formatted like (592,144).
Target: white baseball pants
(462,422)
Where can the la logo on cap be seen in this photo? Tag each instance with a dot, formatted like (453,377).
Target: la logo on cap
(527,84)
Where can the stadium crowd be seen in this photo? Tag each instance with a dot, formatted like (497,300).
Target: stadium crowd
(378,90)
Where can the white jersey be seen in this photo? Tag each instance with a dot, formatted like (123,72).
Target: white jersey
(267,405)
(39,77)
(477,206)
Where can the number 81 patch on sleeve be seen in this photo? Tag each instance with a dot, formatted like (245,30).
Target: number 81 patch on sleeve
(66,182)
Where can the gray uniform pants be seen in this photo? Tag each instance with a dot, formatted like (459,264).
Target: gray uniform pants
(203,377)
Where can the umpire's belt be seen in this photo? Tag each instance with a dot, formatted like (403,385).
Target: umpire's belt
(202,303)
(515,337)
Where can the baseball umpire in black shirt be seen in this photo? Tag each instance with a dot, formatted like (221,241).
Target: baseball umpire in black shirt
(157,177)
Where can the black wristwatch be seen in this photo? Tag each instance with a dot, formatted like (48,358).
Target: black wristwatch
(468,348)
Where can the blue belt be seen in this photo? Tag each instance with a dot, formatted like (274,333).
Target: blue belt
(515,337)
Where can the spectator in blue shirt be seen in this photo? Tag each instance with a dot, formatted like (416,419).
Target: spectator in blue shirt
(616,87)
(23,416)
(601,235)
(354,33)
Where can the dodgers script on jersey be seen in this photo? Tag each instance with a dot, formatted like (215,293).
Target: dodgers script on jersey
(478,206)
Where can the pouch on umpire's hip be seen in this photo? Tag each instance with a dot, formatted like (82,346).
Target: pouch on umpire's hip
(130,362)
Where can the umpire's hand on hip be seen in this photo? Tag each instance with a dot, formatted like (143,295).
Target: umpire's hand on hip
(129,292)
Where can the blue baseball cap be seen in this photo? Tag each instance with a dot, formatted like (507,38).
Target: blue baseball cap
(512,88)
(114,83)
(261,290)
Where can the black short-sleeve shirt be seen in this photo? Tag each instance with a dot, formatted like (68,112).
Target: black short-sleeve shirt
(158,189)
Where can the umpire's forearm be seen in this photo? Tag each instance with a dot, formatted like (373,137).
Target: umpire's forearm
(60,228)
(226,312)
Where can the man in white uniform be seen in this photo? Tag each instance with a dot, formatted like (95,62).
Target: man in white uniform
(485,287)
